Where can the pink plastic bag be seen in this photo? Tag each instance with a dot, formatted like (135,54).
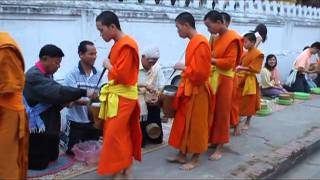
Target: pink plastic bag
(88,152)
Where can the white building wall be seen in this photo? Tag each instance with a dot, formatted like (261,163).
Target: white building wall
(66,23)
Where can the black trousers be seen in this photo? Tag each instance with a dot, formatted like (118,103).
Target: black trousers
(43,148)
(79,132)
(153,117)
(317,80)
(300,85)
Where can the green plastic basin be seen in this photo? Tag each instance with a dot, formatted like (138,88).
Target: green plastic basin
(315,90)
(264,112)
(284,101)
(301,95)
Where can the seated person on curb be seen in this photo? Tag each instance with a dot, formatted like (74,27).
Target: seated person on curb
(297,80)
(79,126)
(270,80)
(44,98)
(317,70)
(151,81)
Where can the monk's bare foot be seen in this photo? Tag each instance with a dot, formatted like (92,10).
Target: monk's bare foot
(117,176)
(236,131)
(189,166)
(193,163)
(127,173)
(245,126)
(177,159)
(217,154)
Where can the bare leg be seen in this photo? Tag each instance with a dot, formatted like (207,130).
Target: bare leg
(236,131)
(193,163)
(118,175)
(217,154)
(180,158)
(247,123)
(127,173)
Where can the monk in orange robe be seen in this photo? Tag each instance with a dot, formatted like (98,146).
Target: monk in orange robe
(122,134)
(234,117)
(236,98)
(249,90)
(189,133)
(235,114)
(226,51)
(14,131)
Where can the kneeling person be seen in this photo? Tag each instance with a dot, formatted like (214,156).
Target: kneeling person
(151,81)
(85,76)
(44,98)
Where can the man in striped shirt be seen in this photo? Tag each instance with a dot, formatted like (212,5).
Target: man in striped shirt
(79,127)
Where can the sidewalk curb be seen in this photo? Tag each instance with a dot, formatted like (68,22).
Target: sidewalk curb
(269,166)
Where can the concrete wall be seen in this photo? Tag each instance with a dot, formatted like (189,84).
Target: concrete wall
(66,23)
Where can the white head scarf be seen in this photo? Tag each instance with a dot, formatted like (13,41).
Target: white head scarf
(151,52)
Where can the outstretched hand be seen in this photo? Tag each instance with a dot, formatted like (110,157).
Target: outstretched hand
(106,63)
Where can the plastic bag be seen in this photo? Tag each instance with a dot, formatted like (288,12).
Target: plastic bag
(88,152)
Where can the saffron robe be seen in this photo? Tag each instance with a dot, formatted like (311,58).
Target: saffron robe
(226,49)
(190,127)
(235,115)
(122,134)
(248,84)
(14,131)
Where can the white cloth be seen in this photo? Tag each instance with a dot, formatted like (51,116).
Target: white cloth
(152,52)
(292,78)
(259,39)
(154,77)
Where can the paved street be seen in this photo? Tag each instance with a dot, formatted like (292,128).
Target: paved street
(267,135)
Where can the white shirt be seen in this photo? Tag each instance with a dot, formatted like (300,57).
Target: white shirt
(154,77)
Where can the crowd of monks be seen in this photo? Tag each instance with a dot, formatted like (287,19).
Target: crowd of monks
(218,86)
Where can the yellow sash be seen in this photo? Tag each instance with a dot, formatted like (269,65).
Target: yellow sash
(109,98)
(249,84)
(215,73)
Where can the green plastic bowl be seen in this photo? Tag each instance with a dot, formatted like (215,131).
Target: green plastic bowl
(264,112)
(301,95)
(284,101)
(315,90)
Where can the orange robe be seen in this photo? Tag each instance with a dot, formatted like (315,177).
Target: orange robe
(189,131)
(226,49)
(235,115)
(250,102)
(13,120)
(122,134)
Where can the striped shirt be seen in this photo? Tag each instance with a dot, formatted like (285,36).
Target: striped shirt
(78,78)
